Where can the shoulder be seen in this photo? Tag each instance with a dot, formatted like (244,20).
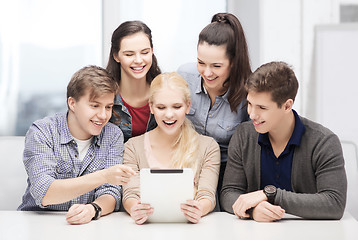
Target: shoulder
(206,142)
(50,125)
(111,131)
(316,132)
(189,72)
(135,142)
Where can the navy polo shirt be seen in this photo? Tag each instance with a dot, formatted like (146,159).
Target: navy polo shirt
(277,171)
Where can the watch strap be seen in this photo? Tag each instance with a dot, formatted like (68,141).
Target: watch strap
(97,209)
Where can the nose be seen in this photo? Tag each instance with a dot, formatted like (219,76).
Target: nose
(169,113)
(207,72)
(102,114)
(138,58)
(251,113)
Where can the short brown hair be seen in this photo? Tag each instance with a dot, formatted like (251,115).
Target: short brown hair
(277,78)
(93,78)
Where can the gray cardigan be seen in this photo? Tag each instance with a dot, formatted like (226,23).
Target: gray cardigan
(318,178)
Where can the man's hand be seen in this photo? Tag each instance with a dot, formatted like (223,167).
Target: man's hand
(247,201)
(266,212)
(118,174)
(80,214)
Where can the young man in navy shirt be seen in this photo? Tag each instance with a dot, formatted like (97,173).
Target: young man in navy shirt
(280,162)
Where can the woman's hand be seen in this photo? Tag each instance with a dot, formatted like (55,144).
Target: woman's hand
(80,214)
(140,212)
(192,210)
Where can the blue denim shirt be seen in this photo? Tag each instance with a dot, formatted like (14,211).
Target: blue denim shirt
(51,153)
(217,121)
(125,120)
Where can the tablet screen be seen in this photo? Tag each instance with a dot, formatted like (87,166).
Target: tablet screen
(165,190)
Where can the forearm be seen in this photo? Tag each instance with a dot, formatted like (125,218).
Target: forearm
(107,202)
(63,190)
(129,203)
(206,206)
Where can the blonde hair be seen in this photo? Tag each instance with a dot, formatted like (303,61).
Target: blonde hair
(186,145)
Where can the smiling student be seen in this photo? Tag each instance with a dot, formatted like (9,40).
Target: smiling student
(73,160)
(174,143)
(216,83)
(282,162)
(133,65)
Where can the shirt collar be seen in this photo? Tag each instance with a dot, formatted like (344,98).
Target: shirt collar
(201,89)
(65,134)
(295,137)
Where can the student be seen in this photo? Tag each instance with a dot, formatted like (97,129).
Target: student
(217,85)
(133,65)
(73,160)
(281,162)
(172,144)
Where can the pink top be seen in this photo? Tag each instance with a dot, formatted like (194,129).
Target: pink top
(152,161)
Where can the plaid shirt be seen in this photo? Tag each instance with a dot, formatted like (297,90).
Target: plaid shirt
(51,153)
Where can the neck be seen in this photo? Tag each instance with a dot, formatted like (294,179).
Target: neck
(162,139)
(134,91)
(214,93)
(74,128)
(283,133)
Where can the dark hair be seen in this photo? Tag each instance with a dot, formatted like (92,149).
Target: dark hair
(126,29)
(277,78)
(93,78)
(225,29)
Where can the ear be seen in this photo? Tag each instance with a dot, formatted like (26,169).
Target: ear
(151,108)
(115,56)
(71,102)
(188,107)
(288,105)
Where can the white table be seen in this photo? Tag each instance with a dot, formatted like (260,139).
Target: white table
(218,226)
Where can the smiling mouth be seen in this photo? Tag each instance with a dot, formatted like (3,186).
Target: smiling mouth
(137,69)
(97,123)
(170,122)
(211,79)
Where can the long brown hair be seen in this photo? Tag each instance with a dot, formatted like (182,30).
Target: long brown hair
(226,29)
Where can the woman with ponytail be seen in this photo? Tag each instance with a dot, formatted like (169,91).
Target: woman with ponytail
(174,143)
(218,97)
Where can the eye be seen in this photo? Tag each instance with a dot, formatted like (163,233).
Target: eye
(94,105)
(263,108)
(217,66)
(177,107)
(160,107)
(109,107)
(200,63)
(145,53)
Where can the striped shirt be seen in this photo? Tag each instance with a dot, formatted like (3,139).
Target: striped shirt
(51,153)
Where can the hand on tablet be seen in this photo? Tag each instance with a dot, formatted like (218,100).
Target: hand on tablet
(118,174)
(140,212)
(192,210)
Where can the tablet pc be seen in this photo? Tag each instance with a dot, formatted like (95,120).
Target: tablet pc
(165,190)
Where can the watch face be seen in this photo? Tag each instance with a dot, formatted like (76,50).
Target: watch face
(270,189)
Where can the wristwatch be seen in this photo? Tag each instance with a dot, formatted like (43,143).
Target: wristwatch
(270,192)
(98,210)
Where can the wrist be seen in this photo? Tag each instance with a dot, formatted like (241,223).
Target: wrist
(97,211)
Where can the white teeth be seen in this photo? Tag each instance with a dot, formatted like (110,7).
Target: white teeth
(137,68)
(170,122)
(97,123)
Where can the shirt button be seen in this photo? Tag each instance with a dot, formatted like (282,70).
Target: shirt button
(90,155)
(76,155)
(277,176)
(209,115)
(277,163)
